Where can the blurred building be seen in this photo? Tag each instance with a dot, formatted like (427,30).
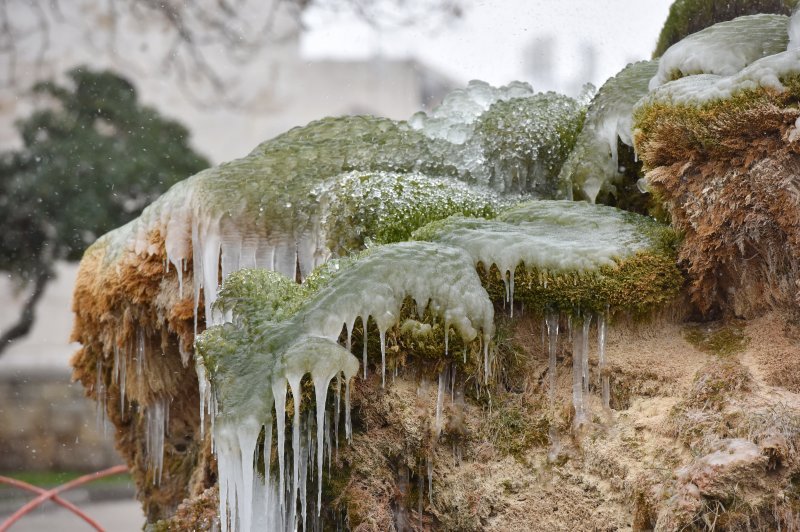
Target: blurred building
(230,99)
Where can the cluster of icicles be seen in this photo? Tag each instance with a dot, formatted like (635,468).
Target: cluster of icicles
(156,414)
(441,279)
(578,329)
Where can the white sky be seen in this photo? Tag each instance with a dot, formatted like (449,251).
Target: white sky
(489,41)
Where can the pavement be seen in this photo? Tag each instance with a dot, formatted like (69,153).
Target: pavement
(123,515)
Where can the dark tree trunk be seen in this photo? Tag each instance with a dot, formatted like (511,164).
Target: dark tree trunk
(28,314)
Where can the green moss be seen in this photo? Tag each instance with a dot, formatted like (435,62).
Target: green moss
(690,16)
(719,339)
(267,295)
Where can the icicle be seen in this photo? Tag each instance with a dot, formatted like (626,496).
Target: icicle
(247,432)
(587,321)
(115,369)
(440,401)
(328,441)
(294,386)
(551,320)
(179,269)
(303,458)
(123,379)
(446,338)
(338,403)
(210,272)
(279,394)
(465,355)
(100,394)
(601,349)
(321,383)
(349,327)
(206,399)
(486,360)
(156,421)
(197,268)
(382,334)
(577,377)
(267,450)
(225,467)
(430,479)
(140,353)
(421,497)
(348,427)
(511,289)
(364,355)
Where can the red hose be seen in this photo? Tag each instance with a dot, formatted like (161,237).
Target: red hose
(45,495)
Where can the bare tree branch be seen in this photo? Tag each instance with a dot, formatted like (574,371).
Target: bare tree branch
(197,32)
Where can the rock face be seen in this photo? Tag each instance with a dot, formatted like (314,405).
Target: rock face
(376,325)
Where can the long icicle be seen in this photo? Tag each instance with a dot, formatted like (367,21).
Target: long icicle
(294,386)
(601,350)
(587,321)
(577,376)
(552,343)
(364,341)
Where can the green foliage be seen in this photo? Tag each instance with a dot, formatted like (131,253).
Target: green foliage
(90,162)
(690,16)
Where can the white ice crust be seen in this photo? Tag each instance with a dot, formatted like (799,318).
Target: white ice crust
(724,48)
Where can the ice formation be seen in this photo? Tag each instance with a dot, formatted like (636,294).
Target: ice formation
(279,340)
(285,206)
(594,163)
(724,48)
(386,207)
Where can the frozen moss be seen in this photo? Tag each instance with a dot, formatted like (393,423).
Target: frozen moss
(454,119)
(387,207)
(251,360)
(526,140)
(568,255)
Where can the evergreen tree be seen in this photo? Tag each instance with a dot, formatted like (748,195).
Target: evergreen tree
(92,159)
